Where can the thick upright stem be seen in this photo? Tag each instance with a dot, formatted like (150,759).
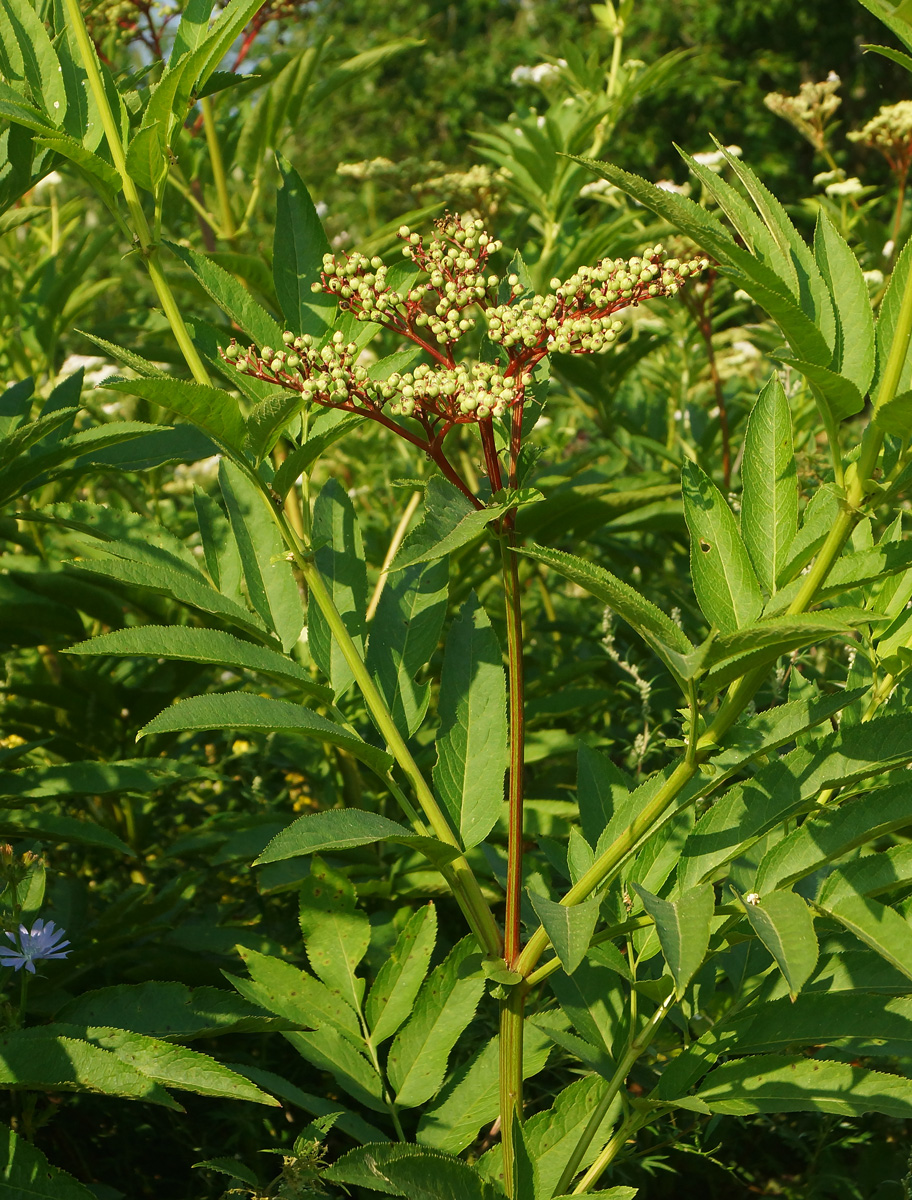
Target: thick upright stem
(511,1052)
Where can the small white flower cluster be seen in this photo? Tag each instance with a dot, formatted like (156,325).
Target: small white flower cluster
(541,73)
(714,159)
(811,110)
(890,132)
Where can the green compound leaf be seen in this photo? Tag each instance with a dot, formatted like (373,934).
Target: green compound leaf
(211,646)
(451,521)
(232,297)
(298,248)
(446,1004)
(171,1011)
(297,999)
(472,741)
(683,926)
(724,580)
(769,504)
(471,1097)
(179,585)
(25,1174)
(391,998)
(776,1084)
(163,1062)
(44,1061)
(210,409)
(243,710)
(832,833)
(854,354)
(341,829)
(270,582)
(877,925)
(659,632)
(417,1172)
(340,561)
(336,933)
(785,925)
(569,927)
(403,636)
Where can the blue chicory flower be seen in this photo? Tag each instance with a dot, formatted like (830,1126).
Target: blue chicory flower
(42,941)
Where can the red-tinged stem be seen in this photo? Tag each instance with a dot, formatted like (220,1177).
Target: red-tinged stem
(492,461)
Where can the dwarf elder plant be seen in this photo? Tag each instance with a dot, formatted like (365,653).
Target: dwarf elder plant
(736,879)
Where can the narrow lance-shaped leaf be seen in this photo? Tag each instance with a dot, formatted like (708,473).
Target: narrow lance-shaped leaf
(270,582)
(342,828)
(446,1004)
(769,504)
(472,742)
(392,996)
(724,580)
(336,933)
(854,356)
(683,927)
(298,249)
(785,925)
(877,925)
(340,560)
(404,635)
(774,1083)
(243,710)
(659,632)
(213,411)
(209,646)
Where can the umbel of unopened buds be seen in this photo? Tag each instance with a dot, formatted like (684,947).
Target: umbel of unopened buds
(449,288)
(890,132)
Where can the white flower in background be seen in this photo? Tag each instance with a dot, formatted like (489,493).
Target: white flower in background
(539,74)
(322,209)
(53,180)
(201,473)
(845,187)
(669,185)
(874,278)
(715,159)
(598,187)
(96,369)
(888,249)
(823,177)
(747,349)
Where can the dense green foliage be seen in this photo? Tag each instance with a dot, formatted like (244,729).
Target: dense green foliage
(372,882)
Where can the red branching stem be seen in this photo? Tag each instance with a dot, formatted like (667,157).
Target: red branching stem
(492,462)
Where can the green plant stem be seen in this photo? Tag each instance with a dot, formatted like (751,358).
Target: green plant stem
(513,602)
(394,545)
(630,1126)
(138,222)
(459,873)
(510,1048)
(217,163)
(636,1048)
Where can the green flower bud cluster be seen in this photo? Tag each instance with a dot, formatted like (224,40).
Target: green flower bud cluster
(890,132)
(330,375)
(811,111)
(578,317)
(458,396)
(434,311)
